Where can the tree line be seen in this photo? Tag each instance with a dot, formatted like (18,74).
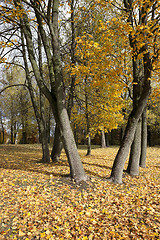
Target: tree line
(89,63)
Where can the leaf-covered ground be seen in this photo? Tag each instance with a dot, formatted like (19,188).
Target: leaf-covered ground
(39,201)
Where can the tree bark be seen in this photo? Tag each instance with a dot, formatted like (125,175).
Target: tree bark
(122,134)
(133,165)
(57,145)
(144,140)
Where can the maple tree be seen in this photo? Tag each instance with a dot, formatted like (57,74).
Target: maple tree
(98,83)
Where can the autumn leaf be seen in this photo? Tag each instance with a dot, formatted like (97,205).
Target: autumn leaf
(32,206)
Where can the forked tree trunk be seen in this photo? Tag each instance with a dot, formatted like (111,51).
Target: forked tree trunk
(57,145)
(138,78)
(133,165)
(77,172)
(118,166)
(144,140)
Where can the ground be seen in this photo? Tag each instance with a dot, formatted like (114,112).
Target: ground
(39,201)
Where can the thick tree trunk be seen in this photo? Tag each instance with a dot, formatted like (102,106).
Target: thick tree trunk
(122,134)
(77,172)
(57,145)
(103,139)
(76,168)
(135,152)
(118,166)
(144,140)
(133,165)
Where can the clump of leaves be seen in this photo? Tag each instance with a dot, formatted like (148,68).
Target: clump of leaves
(38,201)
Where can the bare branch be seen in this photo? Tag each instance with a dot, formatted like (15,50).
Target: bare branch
(14,85)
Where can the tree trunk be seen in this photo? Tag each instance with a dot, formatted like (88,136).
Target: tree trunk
(118,166)
(2,129)
(77,172)
(133,165)
(138,78)
(88,145)
(39,113)
(44,131)
(107,139)
(45,148)
(57,145)
(103,140)
(12,134)
(87,120)
(144,140)
(149,136)
(43,122)
(122,134)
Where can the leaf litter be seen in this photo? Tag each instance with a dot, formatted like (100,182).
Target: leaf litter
(39,201)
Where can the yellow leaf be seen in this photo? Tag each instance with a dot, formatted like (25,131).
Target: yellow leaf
(21,234)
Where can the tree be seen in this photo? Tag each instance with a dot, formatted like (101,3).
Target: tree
(55,96)
(143,40)
(39,111)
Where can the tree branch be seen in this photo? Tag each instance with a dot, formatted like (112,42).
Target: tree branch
(14,85)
